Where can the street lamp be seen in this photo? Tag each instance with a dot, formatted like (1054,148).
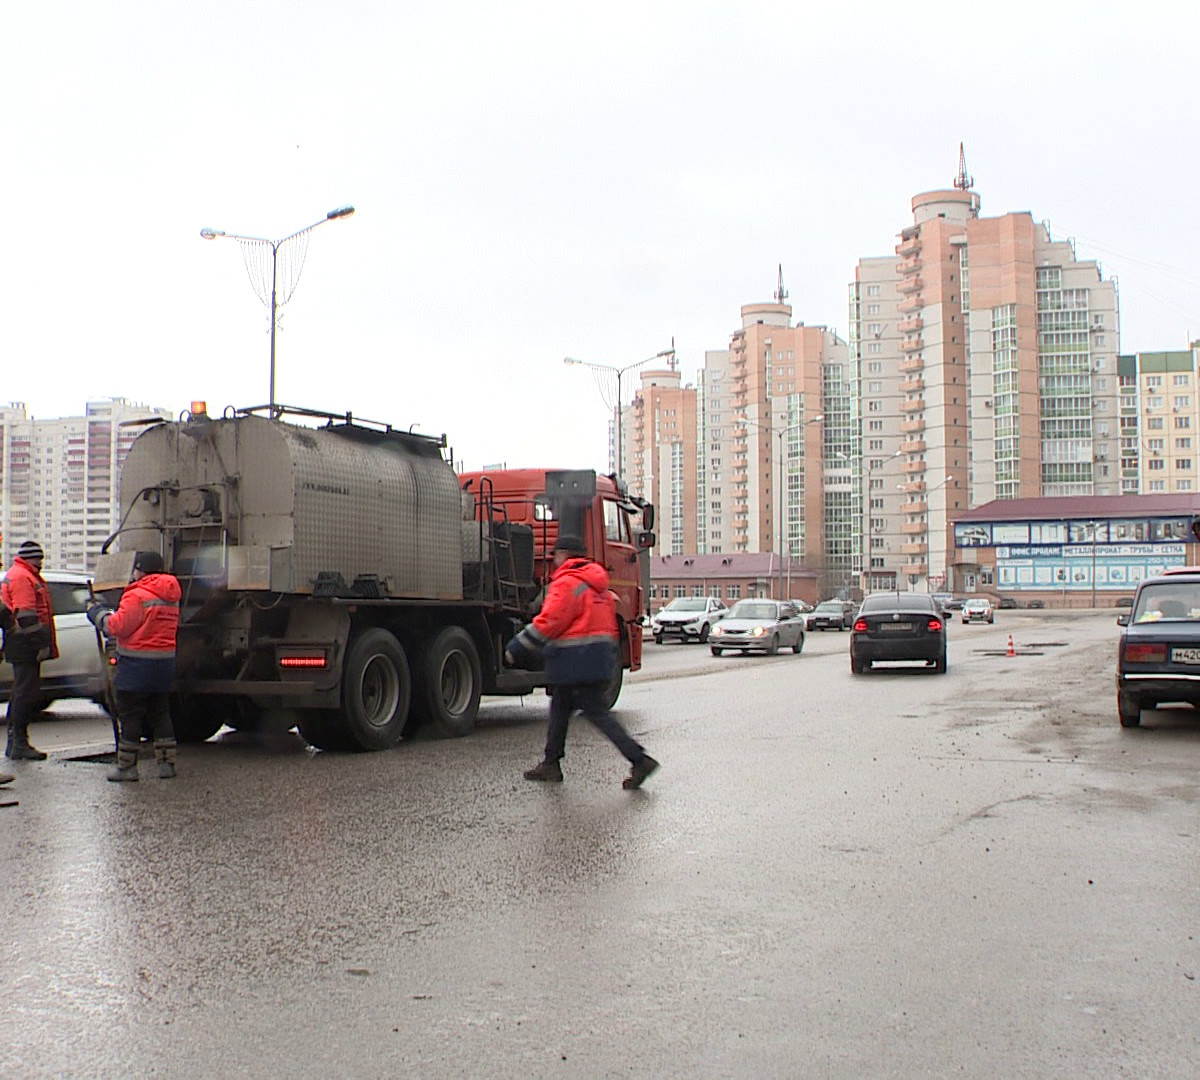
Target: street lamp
(780,433)
(604,370)
(868,568)
(254,249)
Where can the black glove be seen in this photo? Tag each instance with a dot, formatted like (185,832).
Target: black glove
(97,613)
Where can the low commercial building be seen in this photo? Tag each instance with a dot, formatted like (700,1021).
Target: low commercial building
(1076,551)
(733,577)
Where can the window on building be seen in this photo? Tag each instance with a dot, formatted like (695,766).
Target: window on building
(874,367)
(872,290)
(1183,485)
(1183,463)
(680,591)
(1154,423)
(698,592)
(733,592)
(1158,485)
(1156,464)
(1181,380)
(1153,381)
(653,592)
(1182,422)
(1184,442)
(874,347)
(1183,401)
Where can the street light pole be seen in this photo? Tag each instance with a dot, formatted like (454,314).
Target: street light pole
(252,249)
(619,372)
(1095,526)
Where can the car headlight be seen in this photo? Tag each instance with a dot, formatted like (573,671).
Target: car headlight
(758,631)
(716,630)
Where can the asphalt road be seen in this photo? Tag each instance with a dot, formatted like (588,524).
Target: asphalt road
(901,874)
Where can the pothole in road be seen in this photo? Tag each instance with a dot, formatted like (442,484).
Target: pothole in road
(107,758)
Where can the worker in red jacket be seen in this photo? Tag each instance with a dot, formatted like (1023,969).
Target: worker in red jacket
(145,626)
(30,641)
(576,633)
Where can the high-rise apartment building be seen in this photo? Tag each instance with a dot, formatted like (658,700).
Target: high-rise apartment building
(988,370)
(1160,421)
(660,447)
(59,479)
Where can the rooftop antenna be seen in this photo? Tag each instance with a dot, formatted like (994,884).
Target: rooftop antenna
(781,294)
(672,360)
(962,181)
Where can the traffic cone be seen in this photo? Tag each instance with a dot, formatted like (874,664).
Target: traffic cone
(1012,651)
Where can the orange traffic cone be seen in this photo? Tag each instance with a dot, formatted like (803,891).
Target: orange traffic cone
(1012,651)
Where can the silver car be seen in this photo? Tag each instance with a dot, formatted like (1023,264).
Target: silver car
(78,671)
(762,625)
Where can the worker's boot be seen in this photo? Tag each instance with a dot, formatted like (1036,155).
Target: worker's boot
(164,755)
(126,767)
(22,749)
(547,772)
(8,748)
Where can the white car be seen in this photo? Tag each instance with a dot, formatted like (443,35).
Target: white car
(978,610)
(687,617)
(78,672)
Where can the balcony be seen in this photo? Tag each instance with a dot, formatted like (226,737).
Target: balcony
(911,345)
(917,446)
(910,285)
(917,506)
(916,405)
(910,245)
(914,569)
(912,386)
(908,266)
(913,487)
(911,363)
(911,303)
(912,427)
(911,468)
(910,326)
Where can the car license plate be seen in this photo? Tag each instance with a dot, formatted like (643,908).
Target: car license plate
(895,627)
(1185,656)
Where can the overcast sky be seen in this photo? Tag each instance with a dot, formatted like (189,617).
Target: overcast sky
(540,179)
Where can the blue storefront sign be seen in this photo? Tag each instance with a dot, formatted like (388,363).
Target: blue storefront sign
(1117,567)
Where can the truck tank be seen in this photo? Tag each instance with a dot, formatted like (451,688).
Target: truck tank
(247,502)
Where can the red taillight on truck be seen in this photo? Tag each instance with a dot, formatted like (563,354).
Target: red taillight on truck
(1145,653)
(860,626)
(302,661)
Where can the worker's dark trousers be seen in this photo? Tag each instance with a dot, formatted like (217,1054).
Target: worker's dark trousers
(588,698)
(24,703)
(144,715)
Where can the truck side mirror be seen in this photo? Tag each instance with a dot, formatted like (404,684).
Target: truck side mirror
(648,519)
(646,539)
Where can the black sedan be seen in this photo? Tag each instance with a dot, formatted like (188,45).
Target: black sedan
(898,626)
(1158,659)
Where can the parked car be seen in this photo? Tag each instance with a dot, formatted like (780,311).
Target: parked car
(687,617)
(78,672)
(898,626)
(949,602)
(1036,604)
(832,615)
(1005,603)
(766,625)
(1158,656)
(978,610)
(1123,601)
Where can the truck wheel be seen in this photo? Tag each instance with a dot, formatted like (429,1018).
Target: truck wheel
(614,684)
(195,717)
(448,684)
(376,690)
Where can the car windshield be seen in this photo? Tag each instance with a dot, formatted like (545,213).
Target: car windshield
(68,598)
(897,602)
(830,605)
(1168,601)
(689,604)
(977,603)
(753,609)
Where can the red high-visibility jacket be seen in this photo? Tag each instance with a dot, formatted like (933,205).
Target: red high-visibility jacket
(26,593)
(147,620)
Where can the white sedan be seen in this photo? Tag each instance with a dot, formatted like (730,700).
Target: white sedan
(978,610)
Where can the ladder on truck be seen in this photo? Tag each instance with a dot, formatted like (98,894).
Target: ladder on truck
(495,531)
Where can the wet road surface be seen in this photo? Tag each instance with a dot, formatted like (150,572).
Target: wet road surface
(901,874)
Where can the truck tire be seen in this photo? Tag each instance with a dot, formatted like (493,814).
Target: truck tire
(448,684)
(376,690)
(195,717)
(614,685)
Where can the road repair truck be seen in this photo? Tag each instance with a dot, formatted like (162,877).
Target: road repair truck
(339,577)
